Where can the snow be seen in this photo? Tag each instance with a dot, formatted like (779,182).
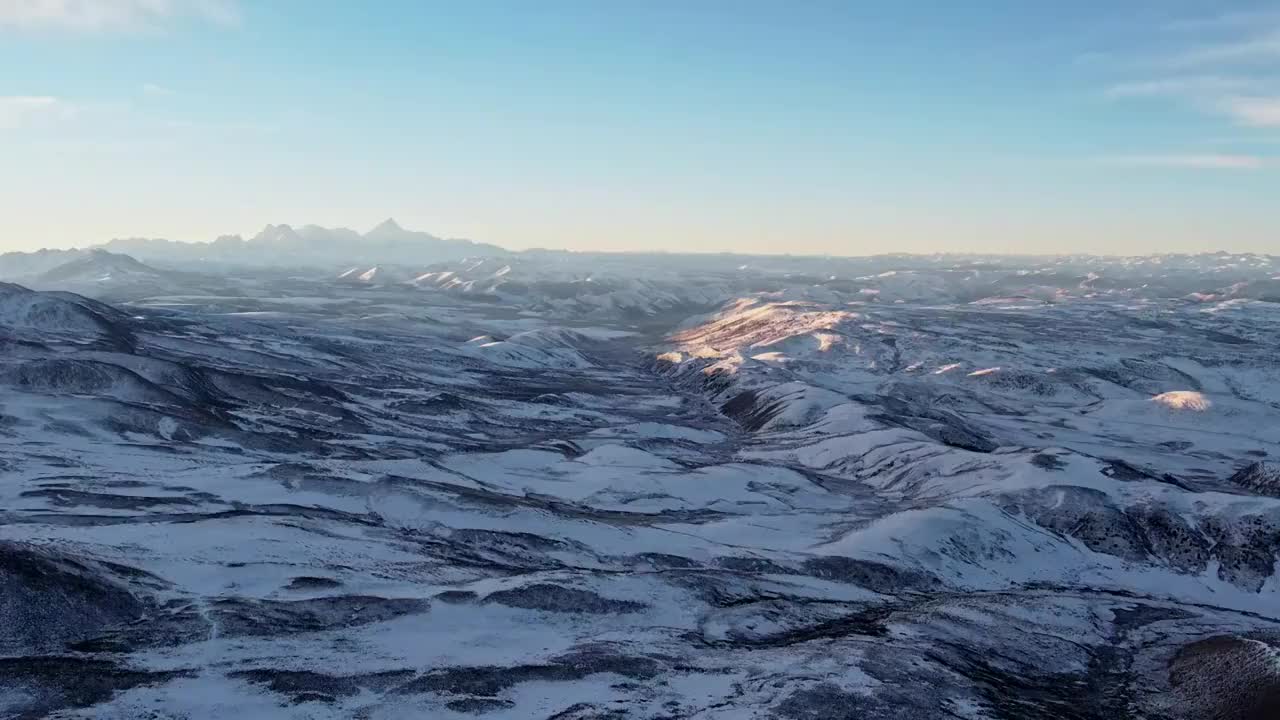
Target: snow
(841,482)
(1187,400)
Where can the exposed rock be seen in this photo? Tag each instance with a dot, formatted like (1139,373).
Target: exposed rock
(48,599)
(554,598)
(1259,477)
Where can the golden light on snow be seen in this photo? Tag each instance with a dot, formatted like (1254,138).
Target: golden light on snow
(1183,400)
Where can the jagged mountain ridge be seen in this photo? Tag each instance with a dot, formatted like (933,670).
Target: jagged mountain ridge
(306,246)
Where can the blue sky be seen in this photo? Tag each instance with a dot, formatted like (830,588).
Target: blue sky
(822,127)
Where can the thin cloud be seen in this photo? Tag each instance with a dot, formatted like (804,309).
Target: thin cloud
(1242,140)
(112,15)
(26,110)
(156,90)
(1259,112)
(1229,68)
(1247,102)
(1210,161)
(1255,49)
(1189,87)
(1226,21)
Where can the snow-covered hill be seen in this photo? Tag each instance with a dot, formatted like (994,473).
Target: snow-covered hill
(575,486)
(99,267)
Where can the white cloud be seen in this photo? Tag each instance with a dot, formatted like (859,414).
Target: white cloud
(27,110)
(1247,101)
(111,15)
(1233,20)
(1213,161)
(1255,49)
(1194,87)
(1228,66)
(1262,112)
(1243,140)
(155,90)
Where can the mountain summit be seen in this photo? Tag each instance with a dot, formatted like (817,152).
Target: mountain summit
(388,227)
(278,235)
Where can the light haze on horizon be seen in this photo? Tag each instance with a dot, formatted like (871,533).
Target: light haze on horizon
(820,127)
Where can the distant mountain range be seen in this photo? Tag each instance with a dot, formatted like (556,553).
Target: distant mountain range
(308,245)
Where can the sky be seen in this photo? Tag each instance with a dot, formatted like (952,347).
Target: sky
(845,127)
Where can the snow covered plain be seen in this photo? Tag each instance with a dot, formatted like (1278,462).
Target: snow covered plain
(556,486)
